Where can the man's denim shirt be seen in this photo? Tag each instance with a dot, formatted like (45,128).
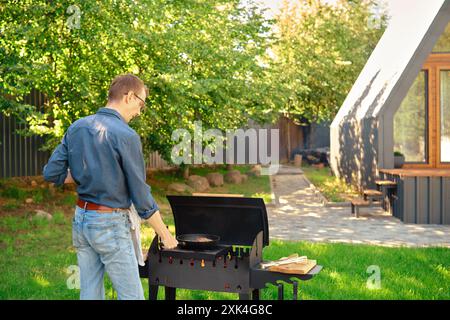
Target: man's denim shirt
(105,159)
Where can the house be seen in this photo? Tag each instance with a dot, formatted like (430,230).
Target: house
(401,103)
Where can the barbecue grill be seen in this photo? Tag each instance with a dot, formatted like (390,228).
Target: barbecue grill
(233,265)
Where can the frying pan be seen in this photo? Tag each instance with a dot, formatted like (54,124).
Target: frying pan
(197,241)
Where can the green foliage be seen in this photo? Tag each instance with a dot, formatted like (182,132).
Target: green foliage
(211,60)
(40,195)
(198,58)
(14,193)
(334,189)
(69,200)
(38,221)
(321,49)
(58,217)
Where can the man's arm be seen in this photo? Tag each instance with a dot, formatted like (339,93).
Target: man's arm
(140,192)
(56,169)
(158,225)
(134,169)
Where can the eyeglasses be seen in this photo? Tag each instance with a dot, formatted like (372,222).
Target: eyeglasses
(143,105)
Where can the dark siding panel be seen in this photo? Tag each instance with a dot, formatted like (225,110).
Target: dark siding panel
(20,152)
(409,190)
(34,155)
(43,157)
(28,155)
(25,155)
(422,199)
(435,200)
(13,149)
(399,208)
(446,200)
(19,156)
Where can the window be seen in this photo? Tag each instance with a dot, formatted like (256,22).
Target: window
(444,114)
(410,122)
(422,122)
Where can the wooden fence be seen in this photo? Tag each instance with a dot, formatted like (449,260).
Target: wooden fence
(155,162)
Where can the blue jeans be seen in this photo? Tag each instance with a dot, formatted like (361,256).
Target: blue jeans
(103,243)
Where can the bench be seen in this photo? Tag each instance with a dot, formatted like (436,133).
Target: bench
(385,183)
(388,188)
(371,195)
(357,203)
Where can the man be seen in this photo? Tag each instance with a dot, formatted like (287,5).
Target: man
(104,158)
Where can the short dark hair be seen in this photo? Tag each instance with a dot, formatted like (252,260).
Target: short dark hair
(123,84)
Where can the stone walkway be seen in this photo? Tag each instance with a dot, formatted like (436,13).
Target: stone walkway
(299,215)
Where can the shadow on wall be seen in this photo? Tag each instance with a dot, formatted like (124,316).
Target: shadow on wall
(358,141)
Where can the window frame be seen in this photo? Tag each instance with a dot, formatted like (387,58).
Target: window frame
(435,63)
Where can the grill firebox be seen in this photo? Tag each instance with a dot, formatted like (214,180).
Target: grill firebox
(232,266)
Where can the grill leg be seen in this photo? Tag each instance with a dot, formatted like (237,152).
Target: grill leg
(170,293)
(295,290)
(255,294)
(280,291)
(152,292)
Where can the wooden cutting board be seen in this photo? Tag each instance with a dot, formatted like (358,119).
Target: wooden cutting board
(295,268)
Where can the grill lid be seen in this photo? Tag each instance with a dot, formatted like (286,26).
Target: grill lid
(236,220)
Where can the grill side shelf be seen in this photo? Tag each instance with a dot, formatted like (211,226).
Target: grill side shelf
(260,277)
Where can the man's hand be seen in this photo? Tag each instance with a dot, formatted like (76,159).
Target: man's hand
(158,225)
(69,178)
(169,241)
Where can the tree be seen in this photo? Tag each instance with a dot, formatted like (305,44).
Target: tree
(200,59)
(321,49)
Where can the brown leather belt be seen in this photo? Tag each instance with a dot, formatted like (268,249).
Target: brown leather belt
(97,207)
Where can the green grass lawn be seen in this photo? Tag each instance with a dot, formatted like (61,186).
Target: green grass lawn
(35,256)
(333,188)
